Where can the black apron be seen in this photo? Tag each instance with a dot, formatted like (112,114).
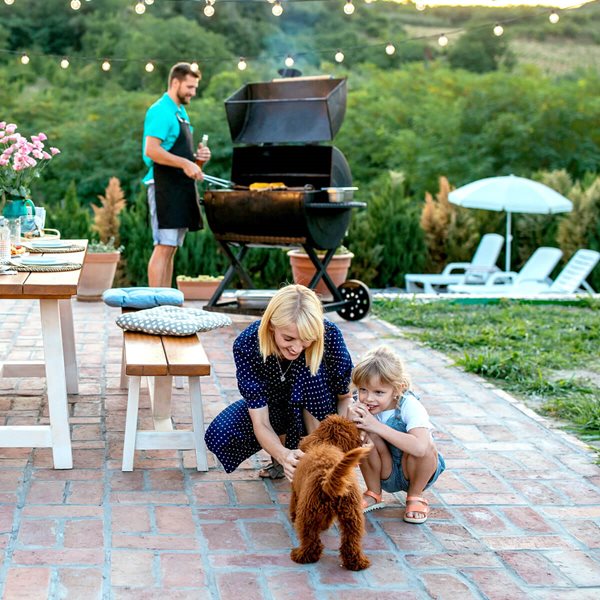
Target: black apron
(176,194)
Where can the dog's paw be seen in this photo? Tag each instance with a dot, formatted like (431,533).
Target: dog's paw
(356,563)
(303,557)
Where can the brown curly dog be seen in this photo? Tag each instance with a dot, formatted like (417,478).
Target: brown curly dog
(325,488)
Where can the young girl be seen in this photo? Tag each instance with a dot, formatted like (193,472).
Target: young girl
(404,456)
(293,369)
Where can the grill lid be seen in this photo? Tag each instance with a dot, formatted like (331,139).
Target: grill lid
(307,109)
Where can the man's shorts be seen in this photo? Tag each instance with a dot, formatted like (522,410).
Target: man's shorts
(164,237)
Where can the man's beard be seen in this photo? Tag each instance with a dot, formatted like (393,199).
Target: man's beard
(183,99)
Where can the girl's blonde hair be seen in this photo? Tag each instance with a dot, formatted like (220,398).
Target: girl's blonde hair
(294,305)
(381,365)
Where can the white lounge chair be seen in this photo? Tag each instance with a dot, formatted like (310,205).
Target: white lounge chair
(535,271)
(570,280)
(480,267)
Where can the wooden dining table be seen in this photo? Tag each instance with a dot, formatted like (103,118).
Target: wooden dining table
(54,291)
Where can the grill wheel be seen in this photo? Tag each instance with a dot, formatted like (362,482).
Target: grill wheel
(359,297)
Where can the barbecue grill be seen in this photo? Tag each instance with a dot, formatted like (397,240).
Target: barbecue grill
(282,123)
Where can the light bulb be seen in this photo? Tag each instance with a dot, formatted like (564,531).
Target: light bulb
(289,61)
(443,40)
(195,67)
(242,64)
(140,8)
(209,10)
(420,5)
(25,59)
(348,7)
(75,4)
(64,63)
(339,56)
(277,9)
(390,49)
(498,30)
(9,2)
(149,67)
(149,2)
(106,66)
(554,18)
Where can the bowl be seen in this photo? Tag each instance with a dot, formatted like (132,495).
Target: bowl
(340,194)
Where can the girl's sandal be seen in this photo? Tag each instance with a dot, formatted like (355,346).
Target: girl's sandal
(272,471)
(366,507)
(416,504)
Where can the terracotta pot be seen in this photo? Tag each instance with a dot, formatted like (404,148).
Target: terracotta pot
(197,290)
(97,275)
(303,270)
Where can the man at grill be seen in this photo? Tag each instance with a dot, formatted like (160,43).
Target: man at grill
(293,369)
(168,151)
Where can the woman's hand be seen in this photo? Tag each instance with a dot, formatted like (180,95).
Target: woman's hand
(363,418)
(290,462)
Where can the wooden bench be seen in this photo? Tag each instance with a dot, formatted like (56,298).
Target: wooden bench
(160,358)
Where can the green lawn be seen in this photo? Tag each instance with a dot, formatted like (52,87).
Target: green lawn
(547,354)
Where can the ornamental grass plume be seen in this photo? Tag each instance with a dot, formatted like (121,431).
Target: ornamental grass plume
(21,160)
(106,217)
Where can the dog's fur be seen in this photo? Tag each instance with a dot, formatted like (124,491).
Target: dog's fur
(325,487)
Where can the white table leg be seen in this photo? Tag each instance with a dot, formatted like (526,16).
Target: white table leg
(68,340)
(159,389)
(131,419)
(56,384)
(198,423)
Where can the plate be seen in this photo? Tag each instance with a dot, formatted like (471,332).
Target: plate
(49,244)
(40,260)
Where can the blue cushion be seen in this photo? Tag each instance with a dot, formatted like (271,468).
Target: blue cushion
(142,297)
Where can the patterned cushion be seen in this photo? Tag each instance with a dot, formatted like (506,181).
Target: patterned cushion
(172,320)
(142,297)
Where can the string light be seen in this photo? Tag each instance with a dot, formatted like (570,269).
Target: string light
(24,59)
(277,9)
(75,4)
(194,67)
(209,9)
(443,40)
(553,18)
(64,63)
(9,2)
(148,2)
(339,56)
(149,67)
(140,8)
(390,49)
(420,6)
(348,7)
(105,66)
(242,64)
(289,61)
(498,30)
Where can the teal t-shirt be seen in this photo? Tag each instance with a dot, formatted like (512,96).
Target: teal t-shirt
(161,122)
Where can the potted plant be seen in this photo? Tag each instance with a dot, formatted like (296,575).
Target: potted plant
(103,254)
(198,288)
(303,270)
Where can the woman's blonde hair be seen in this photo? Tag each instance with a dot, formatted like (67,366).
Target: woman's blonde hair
(381,365)
(299,306)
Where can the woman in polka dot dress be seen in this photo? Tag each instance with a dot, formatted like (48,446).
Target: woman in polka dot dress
(293,369)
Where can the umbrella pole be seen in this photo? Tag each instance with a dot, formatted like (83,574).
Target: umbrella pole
(508,241)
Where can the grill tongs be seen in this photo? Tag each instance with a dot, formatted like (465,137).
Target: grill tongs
(255,186)
(223,182)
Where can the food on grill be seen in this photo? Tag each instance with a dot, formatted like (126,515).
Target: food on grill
(263,187)
(16,250)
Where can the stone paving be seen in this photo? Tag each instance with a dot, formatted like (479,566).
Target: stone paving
(516,515)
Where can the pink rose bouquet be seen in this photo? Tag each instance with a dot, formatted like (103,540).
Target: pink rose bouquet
(21,160)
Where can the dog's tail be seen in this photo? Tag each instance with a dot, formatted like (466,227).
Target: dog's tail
(337,480)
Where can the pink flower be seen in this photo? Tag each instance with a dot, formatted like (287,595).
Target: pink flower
(54,151)
(45,155)
(2,124)
(41,136)
(11,128)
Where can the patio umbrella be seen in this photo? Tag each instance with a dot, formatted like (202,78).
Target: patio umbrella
(513,195)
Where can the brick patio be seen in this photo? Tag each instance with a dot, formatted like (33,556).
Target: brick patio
(516,515)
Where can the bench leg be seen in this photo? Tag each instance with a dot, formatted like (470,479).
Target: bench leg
(123,378)
(133,401)
(159,389)
(178,382)
(198,423)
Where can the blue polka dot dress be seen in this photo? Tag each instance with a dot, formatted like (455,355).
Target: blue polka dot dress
(231,436)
